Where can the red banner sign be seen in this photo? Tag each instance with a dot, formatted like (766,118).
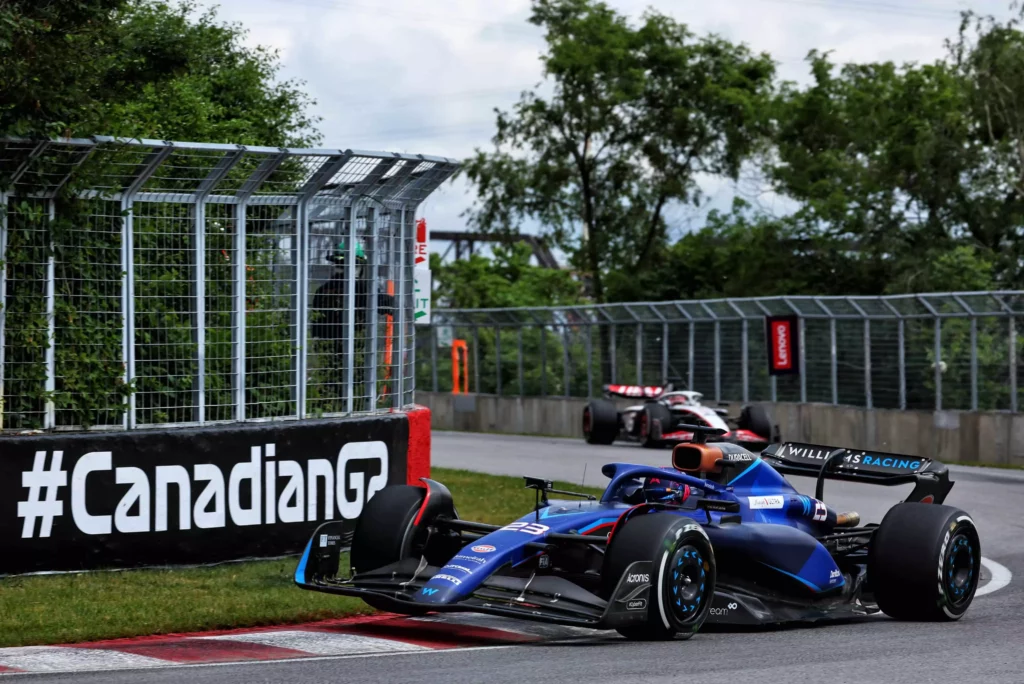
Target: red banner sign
(783,345)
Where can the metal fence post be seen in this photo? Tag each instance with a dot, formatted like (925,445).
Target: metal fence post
(543,361)
(497,356)
(370,352)
(938,364)
(746,362)
(834,360)
(238,324)
(689,354)
(974,363)
(476,359)
(519,362)
(867,363)
(803,360)
(433,356)
(350,276)
(403,291)
(199,288)
(902,361)
(640,354)
(613,353)
(664,354)
(1013,364)
(50,419)
(301,307)
(566,376)
(718,361)
(590,360)
(3,298)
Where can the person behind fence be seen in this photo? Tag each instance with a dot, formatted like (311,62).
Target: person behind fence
(329,307)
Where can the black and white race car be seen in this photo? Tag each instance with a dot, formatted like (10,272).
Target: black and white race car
(655,423)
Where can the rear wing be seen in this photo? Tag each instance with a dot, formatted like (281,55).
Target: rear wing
(635,391)
(873,467)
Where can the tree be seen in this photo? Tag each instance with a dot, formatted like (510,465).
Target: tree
(636,114)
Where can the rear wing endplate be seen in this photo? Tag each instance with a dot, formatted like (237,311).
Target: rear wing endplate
(873,467)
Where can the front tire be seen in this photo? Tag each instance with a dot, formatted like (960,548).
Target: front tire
(600,422)
(682,578)
(655,420)
(925,562)
(385,532)
(755,419)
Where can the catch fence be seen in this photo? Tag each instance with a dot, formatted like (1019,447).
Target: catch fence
(928,351)
(149,283)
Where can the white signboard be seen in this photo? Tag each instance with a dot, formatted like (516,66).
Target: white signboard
(421,295)
(445,335)
(422,248)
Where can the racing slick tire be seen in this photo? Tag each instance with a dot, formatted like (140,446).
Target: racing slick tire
(925,562)
(600,422)
(679,599)
(383,532)
(655,420)
(755,419)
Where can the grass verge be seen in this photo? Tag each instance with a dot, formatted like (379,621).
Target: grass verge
(54,609)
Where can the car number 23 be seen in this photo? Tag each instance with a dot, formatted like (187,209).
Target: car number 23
(529,528)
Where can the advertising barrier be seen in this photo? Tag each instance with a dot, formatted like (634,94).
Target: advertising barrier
(194,496)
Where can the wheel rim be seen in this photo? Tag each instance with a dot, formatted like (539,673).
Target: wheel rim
(687,585)
(960,572)
(643,426)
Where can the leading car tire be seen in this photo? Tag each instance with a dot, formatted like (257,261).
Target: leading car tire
(385,532)
(682,577)
(600,422)
(755,419)
(655,420)
(925,562)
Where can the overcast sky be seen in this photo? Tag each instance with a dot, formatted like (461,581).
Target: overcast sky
(424,77)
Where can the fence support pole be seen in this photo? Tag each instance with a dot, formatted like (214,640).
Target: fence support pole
(370,352)
(900,338)
(834,360)
(803,360)
(590,361)
(689,359)
(50,419)
(497,356)
(612,352)
(867,364)
(199,288)
(404,349)
(566,377)
(1013,364)
(433,356)
(746,363)
(476,359)
(350,306)
(938,364)
(543,361)
(302,307)
(640,354)
(238,309)
(718,361)
(664,354)
(3,297)
(974,363)
(519,361)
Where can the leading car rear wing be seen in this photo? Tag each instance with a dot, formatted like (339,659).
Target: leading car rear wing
(874,467)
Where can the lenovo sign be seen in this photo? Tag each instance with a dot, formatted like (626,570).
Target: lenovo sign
(783,345)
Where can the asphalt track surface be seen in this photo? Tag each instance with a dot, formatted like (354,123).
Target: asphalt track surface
(985,647)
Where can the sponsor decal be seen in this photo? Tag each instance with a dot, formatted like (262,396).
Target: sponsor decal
(323,540)
(852,459)
(820,512)
(833,576)
(544,562)
(457,567)
(766,502)
(635,578)
(482,548)
(724,611)
(529,528)
(448,578)
(742,458)
(636,604)
(783,341)
(429,591)
(257,491)
(472,559)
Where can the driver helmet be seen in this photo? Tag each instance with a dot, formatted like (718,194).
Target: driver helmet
(666,491)
(340,252)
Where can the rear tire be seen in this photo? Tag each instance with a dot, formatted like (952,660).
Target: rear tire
(755,419)
(680,599)
(655,420)
(925,562)
(600,422)
(385,533)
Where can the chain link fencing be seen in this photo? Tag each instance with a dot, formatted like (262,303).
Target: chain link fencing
(149,283)
(929,351)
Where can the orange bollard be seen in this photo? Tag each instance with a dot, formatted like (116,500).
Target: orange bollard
(457,346)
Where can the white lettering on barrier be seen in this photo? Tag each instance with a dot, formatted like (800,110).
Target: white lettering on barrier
(277,491)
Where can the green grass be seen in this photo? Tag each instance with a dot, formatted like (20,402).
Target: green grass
(55,609)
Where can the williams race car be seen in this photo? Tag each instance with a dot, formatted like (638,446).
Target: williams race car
(720,536)
(663,417)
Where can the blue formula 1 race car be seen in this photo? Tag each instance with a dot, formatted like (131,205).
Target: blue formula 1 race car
(718,537)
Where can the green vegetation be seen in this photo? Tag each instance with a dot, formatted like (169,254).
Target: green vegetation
(57,609)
